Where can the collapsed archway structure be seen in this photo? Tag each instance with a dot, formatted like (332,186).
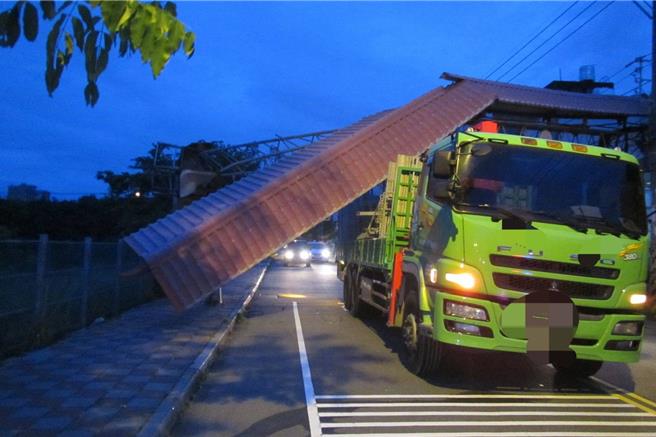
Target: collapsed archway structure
(195,249)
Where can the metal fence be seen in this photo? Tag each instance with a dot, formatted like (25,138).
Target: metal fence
(49,288)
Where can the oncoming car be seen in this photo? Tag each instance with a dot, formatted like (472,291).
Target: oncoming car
(297,254)
(322,251)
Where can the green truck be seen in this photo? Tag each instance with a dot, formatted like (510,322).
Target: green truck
(507,243)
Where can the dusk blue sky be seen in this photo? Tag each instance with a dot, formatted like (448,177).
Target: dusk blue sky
(265,69)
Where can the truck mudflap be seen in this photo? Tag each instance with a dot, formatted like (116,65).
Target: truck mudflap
(547,320)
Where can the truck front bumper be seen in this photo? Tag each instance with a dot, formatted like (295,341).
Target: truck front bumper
(593,339)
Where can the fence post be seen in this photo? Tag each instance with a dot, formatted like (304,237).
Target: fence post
(86,267)
(116,307)
(40,300)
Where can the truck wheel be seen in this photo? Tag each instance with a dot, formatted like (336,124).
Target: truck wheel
(356,305)
(423,354)
(347,290)
(577,368)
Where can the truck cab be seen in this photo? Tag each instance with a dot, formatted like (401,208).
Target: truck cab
(520,244)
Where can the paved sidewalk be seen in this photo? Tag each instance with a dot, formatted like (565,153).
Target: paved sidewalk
(111,377)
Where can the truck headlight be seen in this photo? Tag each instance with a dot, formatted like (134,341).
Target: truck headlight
(627,328)
(464,280)
(289,254)
(465,311)
(304,255)
(638,299)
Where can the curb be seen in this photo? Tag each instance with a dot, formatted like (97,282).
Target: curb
(162,420)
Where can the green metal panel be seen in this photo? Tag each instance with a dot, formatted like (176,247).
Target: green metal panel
(389,231)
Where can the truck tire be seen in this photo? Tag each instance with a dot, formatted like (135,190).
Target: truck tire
(423,354)
(577,368)
(356,305)
(346,290)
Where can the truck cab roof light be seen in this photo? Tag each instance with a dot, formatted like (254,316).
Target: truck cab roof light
(580,148)
(529,141)
(555,144)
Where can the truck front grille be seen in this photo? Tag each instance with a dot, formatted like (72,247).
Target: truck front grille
(530,284)
(540,265)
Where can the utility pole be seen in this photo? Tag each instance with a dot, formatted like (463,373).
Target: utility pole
(638,72)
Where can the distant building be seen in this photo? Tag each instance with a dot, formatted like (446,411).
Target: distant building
(586,83)
(26,193)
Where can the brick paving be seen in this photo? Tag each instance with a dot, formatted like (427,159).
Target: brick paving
(110,378)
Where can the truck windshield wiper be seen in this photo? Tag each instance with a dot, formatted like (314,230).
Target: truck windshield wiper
(604,225)
(563,220)
(526,221)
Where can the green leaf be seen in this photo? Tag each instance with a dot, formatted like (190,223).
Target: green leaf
(171,8)
(69,44)
(48,8)
(86,16)
(103,59)
(91,94)
(109,41)
(123,46)
(4,26)
(90,55)
(189,44)
(30,22)
(53,36)
(78,31)
(64,6)
(11,31)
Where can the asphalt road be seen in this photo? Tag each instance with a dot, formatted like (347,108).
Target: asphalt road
(355,381)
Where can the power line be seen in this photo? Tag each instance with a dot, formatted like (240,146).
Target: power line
(608,78)
(532,39)
(564,39)
(546,41)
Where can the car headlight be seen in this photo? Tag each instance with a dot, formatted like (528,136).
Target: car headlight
(304,255)
(289,254)
(325,253)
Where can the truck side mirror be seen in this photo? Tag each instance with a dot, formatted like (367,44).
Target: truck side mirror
(441,167)
(440,189)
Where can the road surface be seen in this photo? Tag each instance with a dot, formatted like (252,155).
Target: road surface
(351,380)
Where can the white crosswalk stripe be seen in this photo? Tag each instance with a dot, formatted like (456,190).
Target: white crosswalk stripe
(485,415)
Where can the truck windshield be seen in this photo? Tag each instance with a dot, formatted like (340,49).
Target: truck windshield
(589,191)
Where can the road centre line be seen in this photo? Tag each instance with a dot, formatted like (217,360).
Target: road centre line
(619,404)
(635,404)
(474,424)
(480,413)
(466,396)
(625,392)
(310,400)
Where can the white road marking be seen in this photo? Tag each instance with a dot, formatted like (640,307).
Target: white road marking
(618,404)
(506,434)
(310,399)
(473,424)
(481,413)
(467,396)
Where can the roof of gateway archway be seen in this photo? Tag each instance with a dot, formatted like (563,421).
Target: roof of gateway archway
(195,249)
